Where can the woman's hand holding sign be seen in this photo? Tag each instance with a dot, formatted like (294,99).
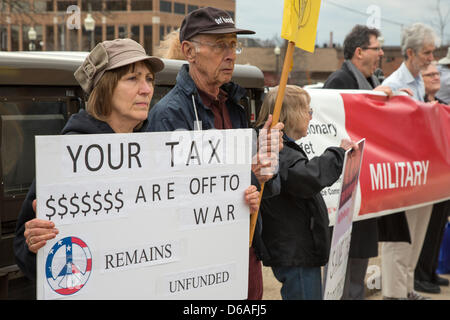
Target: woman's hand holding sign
(270,143)
(252,198)
(38,231)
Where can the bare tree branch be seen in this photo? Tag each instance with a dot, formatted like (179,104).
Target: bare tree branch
(443,18)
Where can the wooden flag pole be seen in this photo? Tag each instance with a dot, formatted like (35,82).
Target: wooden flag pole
(287,66)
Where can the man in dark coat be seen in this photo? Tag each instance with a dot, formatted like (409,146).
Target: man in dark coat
(205,98)
(362,52)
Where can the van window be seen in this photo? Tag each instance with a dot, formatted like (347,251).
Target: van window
(20,122)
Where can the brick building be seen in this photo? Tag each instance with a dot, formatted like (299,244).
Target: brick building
(310,68)
(60,29)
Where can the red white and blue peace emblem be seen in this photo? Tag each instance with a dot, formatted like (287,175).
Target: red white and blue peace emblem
(68,265)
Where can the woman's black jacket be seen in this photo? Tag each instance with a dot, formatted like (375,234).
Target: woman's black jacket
(295,228)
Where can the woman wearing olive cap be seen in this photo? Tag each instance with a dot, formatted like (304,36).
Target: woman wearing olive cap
(119,78)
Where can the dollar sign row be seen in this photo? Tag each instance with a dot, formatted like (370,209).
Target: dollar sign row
(83,204)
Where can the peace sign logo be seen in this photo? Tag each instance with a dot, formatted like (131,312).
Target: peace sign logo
(68,265)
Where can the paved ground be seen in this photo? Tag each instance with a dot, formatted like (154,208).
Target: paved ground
(272,286)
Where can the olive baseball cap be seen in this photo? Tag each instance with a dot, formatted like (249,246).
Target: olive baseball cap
(208,20)
(112,54)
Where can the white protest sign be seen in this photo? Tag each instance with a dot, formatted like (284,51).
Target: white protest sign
(144,215)
(342,231)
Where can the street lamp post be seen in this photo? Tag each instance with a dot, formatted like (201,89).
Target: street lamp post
(32,37)
(277,52)
(89,25)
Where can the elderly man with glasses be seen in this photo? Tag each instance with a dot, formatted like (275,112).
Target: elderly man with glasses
(403,233)
(205,98)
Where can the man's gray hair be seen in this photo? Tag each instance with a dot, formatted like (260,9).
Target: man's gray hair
(416,36)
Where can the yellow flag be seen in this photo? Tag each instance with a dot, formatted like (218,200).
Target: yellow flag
(300,22)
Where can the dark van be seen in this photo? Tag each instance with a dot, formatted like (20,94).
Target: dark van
(38,94)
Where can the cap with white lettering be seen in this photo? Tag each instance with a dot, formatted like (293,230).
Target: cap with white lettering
(208,20)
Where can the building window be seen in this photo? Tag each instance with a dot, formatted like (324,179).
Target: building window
(3,38)
(19,6)
(116,5)
(98,35)
(63,5)
(3,6)
(148,39)
(123,32)
(165,6)
(42,6)
(39,37)
(72,40)
(110,33)
(146,5)
(96,5)
(49,36)
(179,8)
(135,33)
(86,38)
(62,37)
(161,32)
(26,41)
(191,8)
(50,5)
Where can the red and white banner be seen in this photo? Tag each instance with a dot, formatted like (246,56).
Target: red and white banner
(407,153)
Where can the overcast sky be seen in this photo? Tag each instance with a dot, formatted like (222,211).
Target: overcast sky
(339,16)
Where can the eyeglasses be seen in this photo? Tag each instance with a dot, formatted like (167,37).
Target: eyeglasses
(431,75)
(220,47)
(377,49)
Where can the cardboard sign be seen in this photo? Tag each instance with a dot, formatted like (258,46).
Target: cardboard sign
(342,232)
(144,215)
